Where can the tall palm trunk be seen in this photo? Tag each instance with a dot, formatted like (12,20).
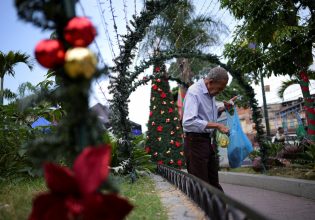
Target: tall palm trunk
(185,76)
(1,91)
(308,104)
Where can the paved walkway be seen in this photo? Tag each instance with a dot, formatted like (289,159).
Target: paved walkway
(178,205)
(274,205)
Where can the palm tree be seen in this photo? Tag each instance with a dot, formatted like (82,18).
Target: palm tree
(8,62)
(184,30)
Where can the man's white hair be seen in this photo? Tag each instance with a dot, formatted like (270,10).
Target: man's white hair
(218,74)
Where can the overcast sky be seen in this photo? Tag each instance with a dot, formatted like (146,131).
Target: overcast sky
(18,35)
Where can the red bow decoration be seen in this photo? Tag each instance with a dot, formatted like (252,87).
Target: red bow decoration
(74,193)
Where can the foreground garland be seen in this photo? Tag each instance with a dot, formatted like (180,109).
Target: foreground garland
(76,193)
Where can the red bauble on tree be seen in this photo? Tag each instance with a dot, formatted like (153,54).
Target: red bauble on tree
(79,32)
(179,163)
(155,87)
(163,95)
(147,149)
(159,128)
(50,53)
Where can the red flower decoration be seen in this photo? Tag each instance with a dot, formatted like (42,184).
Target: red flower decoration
(157,69)
(159,128)
(179,163)
(154,87)
(151,113)
(163,95)
(160,162)
(158,80)
(79,32)
(147,149)
(50,53)
(153,123)
(177,144)
(73,193)
(171,162)
(170,110)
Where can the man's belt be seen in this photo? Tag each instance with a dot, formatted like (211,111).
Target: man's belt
(193,134)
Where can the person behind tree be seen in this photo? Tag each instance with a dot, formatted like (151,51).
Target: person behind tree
(199,121)
(279,137)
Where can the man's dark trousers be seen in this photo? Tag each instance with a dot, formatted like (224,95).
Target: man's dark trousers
(201,158)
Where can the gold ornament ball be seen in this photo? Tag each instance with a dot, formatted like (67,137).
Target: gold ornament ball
(80,61)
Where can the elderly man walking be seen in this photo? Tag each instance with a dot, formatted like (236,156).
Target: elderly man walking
(199,121)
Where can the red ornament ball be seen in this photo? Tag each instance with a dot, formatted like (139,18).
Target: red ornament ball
(154,87)
(159,128)
(50,53)
(147,149)
(179,163)
(79,32)
(163,95)
(160,162)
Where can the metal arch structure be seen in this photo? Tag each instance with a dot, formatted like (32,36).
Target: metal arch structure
(215,204)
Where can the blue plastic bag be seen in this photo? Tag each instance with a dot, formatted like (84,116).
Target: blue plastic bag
(239,146)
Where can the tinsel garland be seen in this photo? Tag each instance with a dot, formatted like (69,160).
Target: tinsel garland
(79,127)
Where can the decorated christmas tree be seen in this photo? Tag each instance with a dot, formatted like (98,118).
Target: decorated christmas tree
(164,136)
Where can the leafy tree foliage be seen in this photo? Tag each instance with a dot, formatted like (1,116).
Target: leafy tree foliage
(276,37)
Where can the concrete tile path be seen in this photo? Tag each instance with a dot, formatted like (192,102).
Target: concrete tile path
(273,205)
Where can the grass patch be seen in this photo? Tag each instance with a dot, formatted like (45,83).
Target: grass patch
(16,198)
(144,197)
